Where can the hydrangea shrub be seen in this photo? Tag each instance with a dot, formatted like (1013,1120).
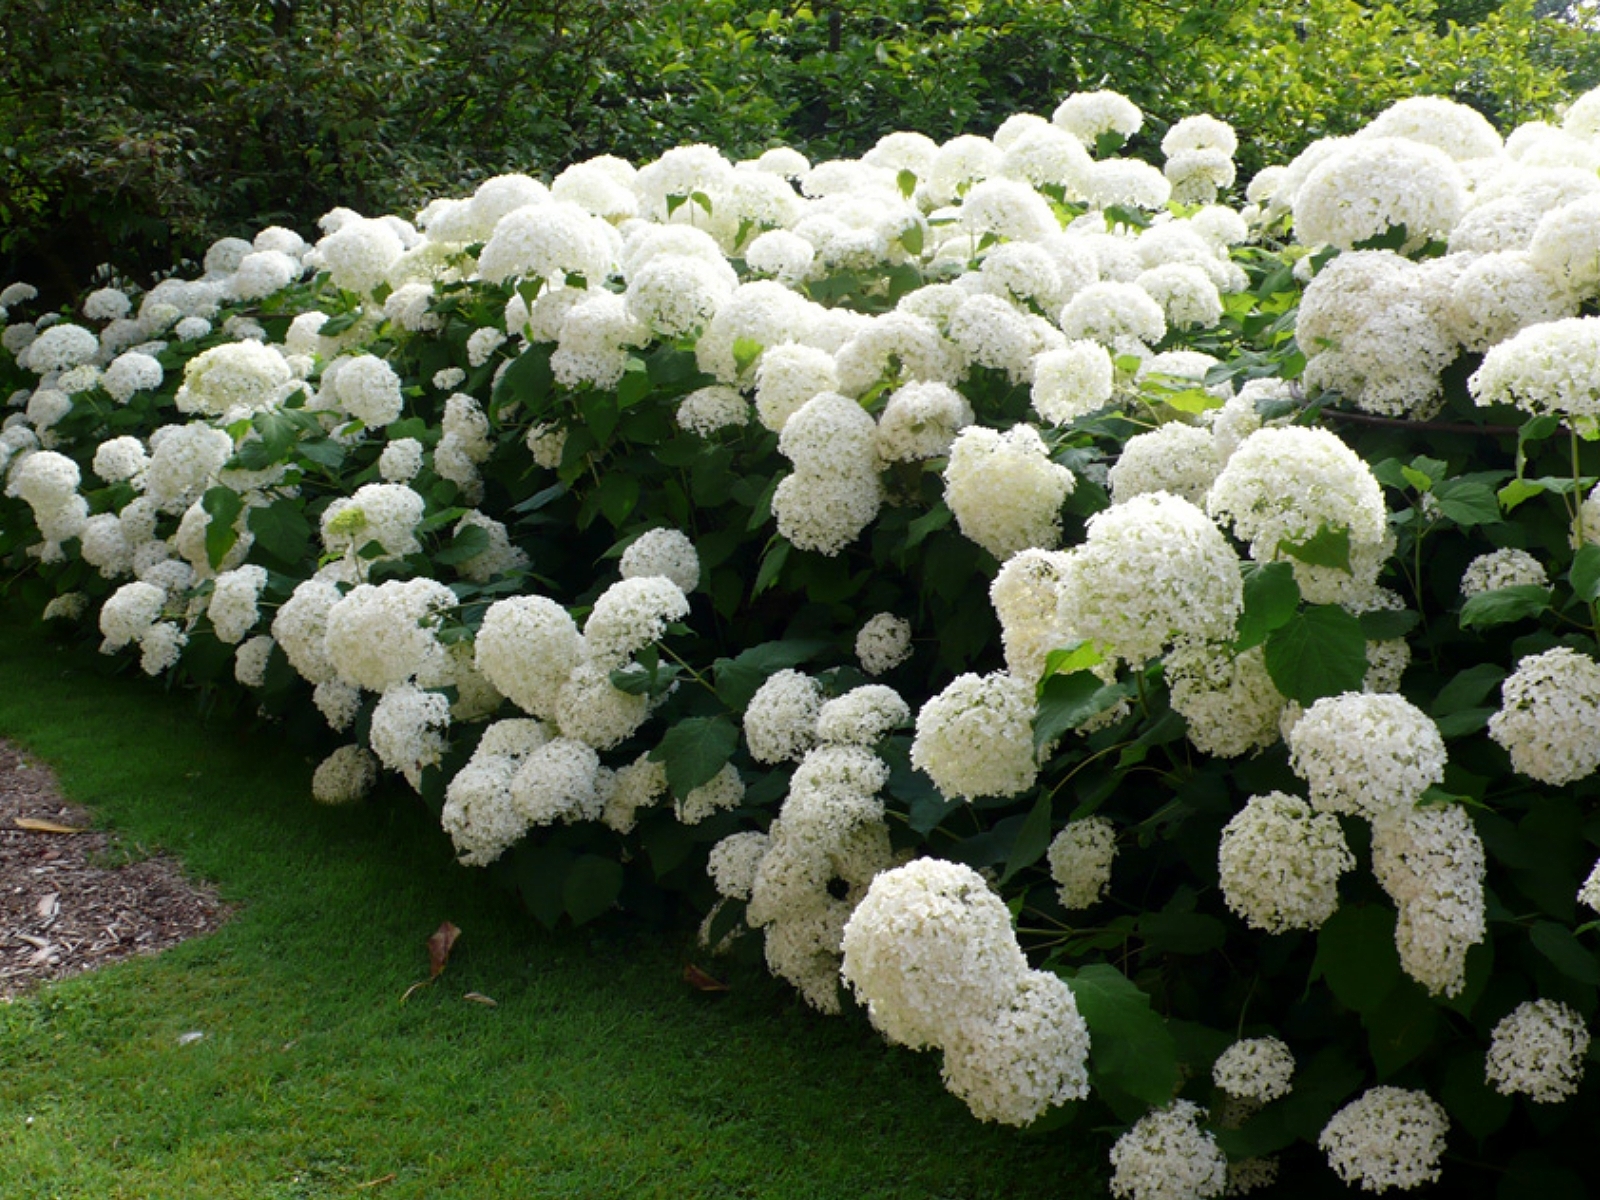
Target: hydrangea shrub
(1137,642)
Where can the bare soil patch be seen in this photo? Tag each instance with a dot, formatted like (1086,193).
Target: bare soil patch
(80,899)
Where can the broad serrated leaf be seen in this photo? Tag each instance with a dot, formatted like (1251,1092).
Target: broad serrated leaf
(935,519)
(281,529)
(591,887)
(1356,955)
(1387,624)
(1067,701)
(1319,652)
(1130,1047)
(1504,605)
(1585,573)
(1033,839)
(1401,1028)
(1568,955)
(1467,689)
(469,542)
(600,413)
(223,505)
(1271,598)
(1328,547)
(527,381)
(634,385)
(1468,502)
(694,750)
(1518,490)
(738,678)
(777,553)
(1069,659)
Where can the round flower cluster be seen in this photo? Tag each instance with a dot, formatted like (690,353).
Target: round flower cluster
(862,716)
(1080,859)
(478,813)
(665,552)
(834,491)
(780,722)
(232,607)
(379,637)
(1167,1155)
(383,513)
(723,791)
(1255,1069)
(1507,567)
(408,730)
(733,861)
(1175,458)
(591,710)
(1386,1137)
(345,776)
(1005,492)
(1366,754)
(1549,716)
(1370,185)
(527,647)
(706,410)
(1088,115)
(1549,368)
(130,372)
(630,615)
(975,738)
(1026,595)
(1280,863)
(1431,863)
(1538,1049)
(1228,701)
(883,643)
(368,389)
(1072,381)
(931,953)
(1152,572)
(1113,312)
(920,421)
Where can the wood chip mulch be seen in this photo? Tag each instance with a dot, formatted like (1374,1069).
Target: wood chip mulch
(74,901)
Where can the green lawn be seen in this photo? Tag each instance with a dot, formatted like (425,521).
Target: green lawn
(598,1073)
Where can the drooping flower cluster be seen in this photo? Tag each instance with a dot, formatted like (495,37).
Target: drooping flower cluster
(1388,1137)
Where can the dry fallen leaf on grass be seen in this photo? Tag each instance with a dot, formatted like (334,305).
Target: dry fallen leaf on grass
(439,948)
(480,998)
(702,982)
(35,825)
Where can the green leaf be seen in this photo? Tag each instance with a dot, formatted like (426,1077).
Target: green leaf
(737,679)
(1356,955)
(1033,839)
(936,518)
(1386,625)
(469,542)
(1416,478)
(1319,652)
(600,413)
(617,494)
(634,385)
(694,750)
(325,452)
(1518,490)
(591,887)
(1504,605)
(772,561)
(1585,573)
(907,183)
(1182,932)
(527,381)
(745,352)
(1271,597)
(1328,547)
(1569,955)
(223,505)
(1467,689)
(911,238)
(282,530)
(1067,701)
(1401,1028)
(1130,1047)
(1469,1098)
(1068,659)
(1468,502)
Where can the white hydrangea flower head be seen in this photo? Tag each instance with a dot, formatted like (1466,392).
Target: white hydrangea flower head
(1112,311)
(478,813)
(1072,381)
(379,637)
(1045,155)
(788,375)
(1030,1057)
(59,348)
(1080,858)
(862,716)
(780,722)
(1566,245)
(733,861)
(1280,863)
(550,242)
(408,731)
(358,254)
(1186,294)
(762,313)
(1366,755)
(1501,294)
(385,513)
(1009,209)
(722,792)
(1228,701)
(528,646)
(69,606)
(635,786)
(345,776)
(1372,184)
(1151,573)
(1087,115)
(232,607)
(1026,595)
(1549,716)
(1461,132)
(883,643)
(920,421)
(834,492)
(131,371)
(707,410)
(559,781)
(1167,1156)
(897,346)
(250,661)
(1589,893)
(1387,1137)
(602,185)
(1176,458)
(1005,492)
(261,273)
(975,738)
(1548,368)
(234,377)
(929,947)
(589,709)
(300,628)
(1538,1050)
(1255,1069)
(1199,152)
(160,647)
(781,253)
(1431,863)
(665,552)
(675,295)
(630,615)
(592,345)
(128,613)
(400,461)
(367,388)
(1503,568)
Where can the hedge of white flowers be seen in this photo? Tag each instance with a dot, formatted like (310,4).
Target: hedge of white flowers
(1138,645)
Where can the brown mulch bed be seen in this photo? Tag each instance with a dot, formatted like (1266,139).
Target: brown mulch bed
(74,901)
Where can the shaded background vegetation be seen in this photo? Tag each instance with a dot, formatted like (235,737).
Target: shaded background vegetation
(136,132)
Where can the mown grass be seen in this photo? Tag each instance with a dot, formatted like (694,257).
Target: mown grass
(598,1073)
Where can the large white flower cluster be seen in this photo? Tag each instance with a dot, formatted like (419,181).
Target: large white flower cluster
(1548,368)
(1080,858)
(1005,492)
(1538,1050)
(1388,1137)
(1167,1156)
(1280,863)
(834,491)
(1431,863)
(1549,716)
(930,951)
(975,738)
(1366,754)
